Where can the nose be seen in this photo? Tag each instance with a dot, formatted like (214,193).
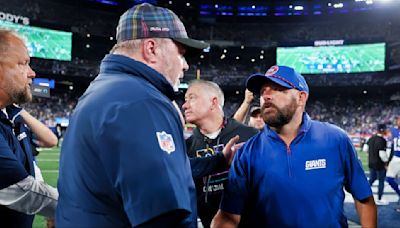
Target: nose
(185,106)
(185,65)
(266,92)
(31,73)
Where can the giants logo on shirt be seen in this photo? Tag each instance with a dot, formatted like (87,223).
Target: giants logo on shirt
(316,164)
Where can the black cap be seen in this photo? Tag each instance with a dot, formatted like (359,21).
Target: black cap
(254,111)
(381,127)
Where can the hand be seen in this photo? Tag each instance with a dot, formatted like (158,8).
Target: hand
(248,96)
(230,149)
(50,223)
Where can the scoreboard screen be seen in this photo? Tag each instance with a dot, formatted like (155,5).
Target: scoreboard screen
(43,43)
(355,58)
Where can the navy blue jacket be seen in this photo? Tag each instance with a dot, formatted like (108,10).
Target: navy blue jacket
(16,162)
(123,161)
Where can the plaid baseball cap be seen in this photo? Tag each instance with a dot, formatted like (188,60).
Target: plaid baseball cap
(148,21)
(281,75)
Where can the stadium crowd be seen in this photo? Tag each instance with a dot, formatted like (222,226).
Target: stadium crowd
(365,113)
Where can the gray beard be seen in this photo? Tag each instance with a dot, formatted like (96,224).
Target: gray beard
(21,97)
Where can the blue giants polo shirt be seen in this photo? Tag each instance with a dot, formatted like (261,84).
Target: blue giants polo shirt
(272,185)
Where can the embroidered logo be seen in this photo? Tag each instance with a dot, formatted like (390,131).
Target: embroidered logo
(21,136)
(272,70)
(166,142)
(315,164)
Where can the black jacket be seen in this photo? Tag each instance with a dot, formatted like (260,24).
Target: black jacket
(375,144)
(209,168)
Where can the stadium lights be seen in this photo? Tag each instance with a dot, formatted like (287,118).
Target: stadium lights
(170,2)
(201,56)
(216,6)
(225,51)
(187,4)
(261,57)
(253,6)
(111,38)
(242,47)
(253,60)
(298,8)
(338,5)
(223,56)
(237,57)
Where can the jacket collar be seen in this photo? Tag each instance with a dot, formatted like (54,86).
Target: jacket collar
(12,114)
(122,64)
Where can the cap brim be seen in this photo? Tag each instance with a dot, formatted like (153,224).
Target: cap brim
(255,112)
(191,43)
(256,81)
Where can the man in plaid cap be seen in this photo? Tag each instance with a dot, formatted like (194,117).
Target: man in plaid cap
(292,174)
(123,161)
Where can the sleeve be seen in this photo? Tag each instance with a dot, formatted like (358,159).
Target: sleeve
(11,169)
(203,166)
(355,180)
(143,150)
(236,191)
(30,196)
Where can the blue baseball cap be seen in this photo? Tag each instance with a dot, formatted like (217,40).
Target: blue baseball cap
(281,75)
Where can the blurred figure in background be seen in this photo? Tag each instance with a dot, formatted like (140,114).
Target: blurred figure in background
(210,157)
(393,170)
(377,161)
(255,118)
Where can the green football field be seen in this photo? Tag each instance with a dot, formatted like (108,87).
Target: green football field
(333,59)
(48,163)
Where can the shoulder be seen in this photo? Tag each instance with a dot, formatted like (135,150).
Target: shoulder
(252,145)
(327,129)
(123,86)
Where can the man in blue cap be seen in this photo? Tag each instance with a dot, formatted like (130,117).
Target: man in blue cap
(123,161)
(292,173)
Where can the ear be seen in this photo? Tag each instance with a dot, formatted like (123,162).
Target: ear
(150,50)
(214,101)
(303,97)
